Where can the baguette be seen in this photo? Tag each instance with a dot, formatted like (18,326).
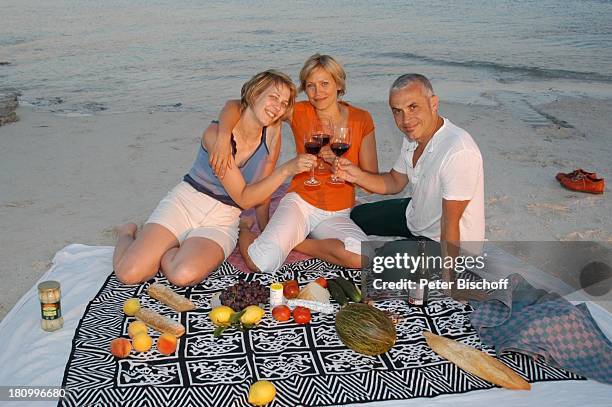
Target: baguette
(476,362)
(160,323)
(170,298)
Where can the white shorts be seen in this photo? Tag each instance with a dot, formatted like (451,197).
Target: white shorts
(292,222)
(188,213)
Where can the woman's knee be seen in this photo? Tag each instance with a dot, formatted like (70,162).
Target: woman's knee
(130,272)
(186,274)
(351,260)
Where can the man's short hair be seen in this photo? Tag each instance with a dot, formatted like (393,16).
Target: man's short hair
(409,79)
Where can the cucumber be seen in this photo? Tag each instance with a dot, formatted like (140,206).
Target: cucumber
(349,289)
(336,292)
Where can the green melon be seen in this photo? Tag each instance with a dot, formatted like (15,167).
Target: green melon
(365,329)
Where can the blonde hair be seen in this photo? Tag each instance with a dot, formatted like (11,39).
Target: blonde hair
(260,82)
(330,65)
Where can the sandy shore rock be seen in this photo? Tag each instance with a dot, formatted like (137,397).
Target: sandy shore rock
(8,105)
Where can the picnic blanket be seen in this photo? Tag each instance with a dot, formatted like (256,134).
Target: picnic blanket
(307,363)
(524,319)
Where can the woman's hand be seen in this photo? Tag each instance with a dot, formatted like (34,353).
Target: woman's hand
(327,154)
(220,157)
(301,163)
(348,171)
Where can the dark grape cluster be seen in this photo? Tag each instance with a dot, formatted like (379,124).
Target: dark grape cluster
(243,294)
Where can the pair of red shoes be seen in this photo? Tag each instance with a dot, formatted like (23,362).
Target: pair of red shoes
(582,181)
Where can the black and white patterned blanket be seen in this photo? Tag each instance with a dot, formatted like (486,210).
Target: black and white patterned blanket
(308,364)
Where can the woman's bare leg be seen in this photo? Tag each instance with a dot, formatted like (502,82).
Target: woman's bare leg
(245,239)
(192,262)
(137,258)
(330,250)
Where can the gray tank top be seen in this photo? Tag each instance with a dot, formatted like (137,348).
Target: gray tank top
(202,178)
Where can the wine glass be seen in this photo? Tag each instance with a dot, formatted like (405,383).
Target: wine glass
(340,144)
(322,130)
(312,145)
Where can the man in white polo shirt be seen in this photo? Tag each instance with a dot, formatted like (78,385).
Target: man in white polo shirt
(441,162)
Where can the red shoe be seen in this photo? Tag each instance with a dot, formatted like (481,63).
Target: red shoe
(572,174)
(584,183)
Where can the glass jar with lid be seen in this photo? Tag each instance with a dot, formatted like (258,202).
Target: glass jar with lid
(50,308)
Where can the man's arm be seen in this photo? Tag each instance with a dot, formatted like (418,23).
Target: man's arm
(368,160)
(452,211)
(387,183)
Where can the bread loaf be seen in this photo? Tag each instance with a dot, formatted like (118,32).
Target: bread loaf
(160,323)
(476,362)
(170,298)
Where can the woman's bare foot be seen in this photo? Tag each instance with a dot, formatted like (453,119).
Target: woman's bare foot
(246,223)
(127,229)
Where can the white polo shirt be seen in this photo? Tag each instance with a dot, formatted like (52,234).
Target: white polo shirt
(449,168)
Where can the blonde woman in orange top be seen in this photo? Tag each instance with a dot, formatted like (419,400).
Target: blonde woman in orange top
(312,220)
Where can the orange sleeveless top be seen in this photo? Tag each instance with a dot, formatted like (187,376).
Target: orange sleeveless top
(325,196)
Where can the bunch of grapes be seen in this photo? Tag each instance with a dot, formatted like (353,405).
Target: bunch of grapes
(243,294)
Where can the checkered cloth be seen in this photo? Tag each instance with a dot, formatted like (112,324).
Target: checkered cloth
(544,325)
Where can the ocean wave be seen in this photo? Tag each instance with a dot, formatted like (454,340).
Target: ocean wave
(525,71)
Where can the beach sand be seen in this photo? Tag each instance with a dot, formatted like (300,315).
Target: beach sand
(71,179)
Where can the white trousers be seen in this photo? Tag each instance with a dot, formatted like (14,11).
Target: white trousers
(293,221)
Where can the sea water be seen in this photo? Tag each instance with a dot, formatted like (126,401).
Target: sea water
(79,57)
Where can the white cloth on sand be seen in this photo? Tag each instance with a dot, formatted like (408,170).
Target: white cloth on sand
(33,357)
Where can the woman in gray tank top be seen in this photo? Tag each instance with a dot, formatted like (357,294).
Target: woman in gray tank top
(195,227)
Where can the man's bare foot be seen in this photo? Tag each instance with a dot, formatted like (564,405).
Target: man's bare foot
(127,229)
(246,223)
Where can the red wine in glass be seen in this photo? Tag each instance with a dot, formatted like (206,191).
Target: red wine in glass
(322,130)
(322,138)
(340,148)
(312,146)
(340,144)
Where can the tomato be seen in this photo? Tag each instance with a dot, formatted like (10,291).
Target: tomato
(301,315)
(281,313)
(321,281)
(289,282)
(291,289)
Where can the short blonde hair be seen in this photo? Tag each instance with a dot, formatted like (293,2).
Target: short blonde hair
(260,82)
(330,65)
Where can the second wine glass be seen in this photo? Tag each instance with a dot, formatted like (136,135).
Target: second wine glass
(312,145)
(323,130)
(340,144)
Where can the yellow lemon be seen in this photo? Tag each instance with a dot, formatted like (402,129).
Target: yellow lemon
(252,315)
(142,342)
(131,306)
(136,327)
(261,393)
(220,316)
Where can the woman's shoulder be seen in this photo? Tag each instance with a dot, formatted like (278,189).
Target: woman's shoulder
(358,114)
(210,134)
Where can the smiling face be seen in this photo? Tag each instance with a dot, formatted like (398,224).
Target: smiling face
(271,104)
(415,111)
(321,89)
